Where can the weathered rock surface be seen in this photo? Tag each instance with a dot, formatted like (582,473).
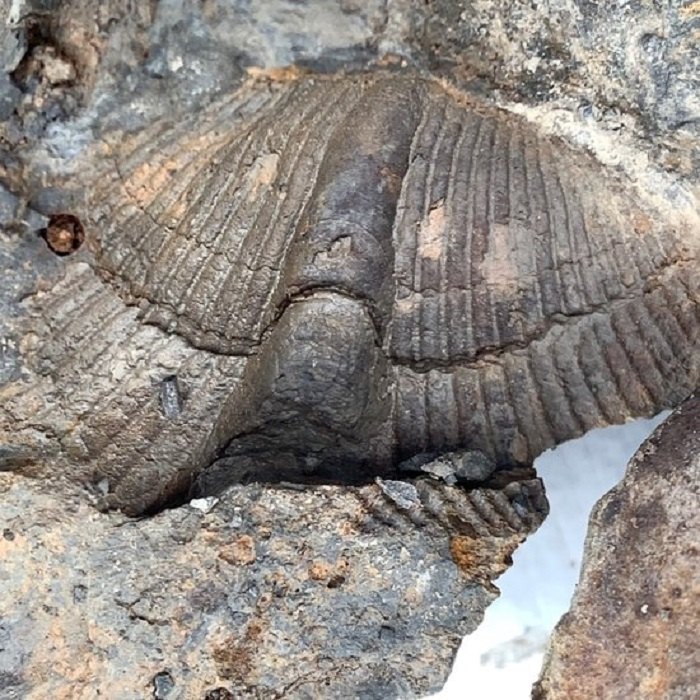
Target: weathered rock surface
(630,70)
(632,628)
(266,592)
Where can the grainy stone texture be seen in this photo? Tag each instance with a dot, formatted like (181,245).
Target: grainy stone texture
(266,592)
(632,628)
(112,395)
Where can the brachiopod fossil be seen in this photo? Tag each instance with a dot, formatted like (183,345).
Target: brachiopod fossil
(335,274)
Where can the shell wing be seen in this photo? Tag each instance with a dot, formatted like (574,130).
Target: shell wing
(536,297)
(207,212)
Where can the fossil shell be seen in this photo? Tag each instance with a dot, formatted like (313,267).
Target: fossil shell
(345,272)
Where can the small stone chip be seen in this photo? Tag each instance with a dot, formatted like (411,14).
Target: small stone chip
(163,685)
(441,469)
(450,467)
(204,505)
(219,694)
(402,493)
(472,465)
(170,398)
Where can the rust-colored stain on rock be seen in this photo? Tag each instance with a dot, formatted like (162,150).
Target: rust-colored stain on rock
(240,552)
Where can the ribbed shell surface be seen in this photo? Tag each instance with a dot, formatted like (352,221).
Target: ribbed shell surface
(518,292)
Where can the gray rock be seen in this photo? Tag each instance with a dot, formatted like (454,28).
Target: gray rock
(463,465)
(272,591)
(637,598)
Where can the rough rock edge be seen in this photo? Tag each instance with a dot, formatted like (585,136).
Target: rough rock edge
(631,631)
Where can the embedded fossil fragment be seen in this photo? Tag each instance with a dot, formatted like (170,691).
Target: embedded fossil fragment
(336,274)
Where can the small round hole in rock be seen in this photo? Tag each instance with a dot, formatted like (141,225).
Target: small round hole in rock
(64,234)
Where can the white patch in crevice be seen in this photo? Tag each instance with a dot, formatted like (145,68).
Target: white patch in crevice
(503,657)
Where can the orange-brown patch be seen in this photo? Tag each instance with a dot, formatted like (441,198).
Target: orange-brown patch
(691,9)
(320,571)
(484,558)
(234,656)
(641,223)
(241,552)
(432,233)
(279,75)
(392,179)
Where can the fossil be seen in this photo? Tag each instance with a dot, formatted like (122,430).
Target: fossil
(320,278)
